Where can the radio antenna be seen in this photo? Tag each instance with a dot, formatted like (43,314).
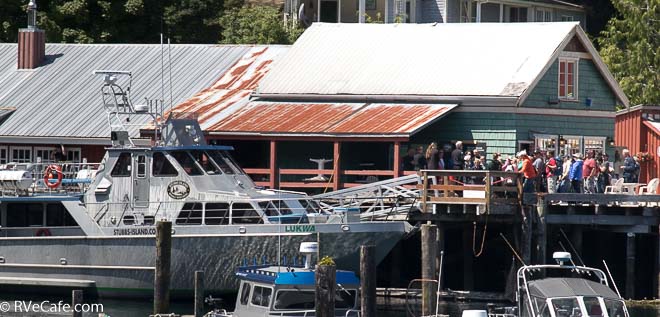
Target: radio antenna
(169,59)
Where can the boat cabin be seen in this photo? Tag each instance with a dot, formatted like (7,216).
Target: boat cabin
(289,291)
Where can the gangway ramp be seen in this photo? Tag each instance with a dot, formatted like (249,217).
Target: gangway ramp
(391,199)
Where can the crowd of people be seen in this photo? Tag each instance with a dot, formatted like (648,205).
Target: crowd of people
(542,171)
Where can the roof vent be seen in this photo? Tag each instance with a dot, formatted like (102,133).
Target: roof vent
(31,41)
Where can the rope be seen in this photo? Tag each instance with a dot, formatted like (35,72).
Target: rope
(483,237)
(512,249)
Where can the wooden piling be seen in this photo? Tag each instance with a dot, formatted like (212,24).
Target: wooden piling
(630,265)
(368,280)
(541,231)
(325,290)
(468,258)
(199,293)
(162,273)
(441,248)
(76,302)
(429,255)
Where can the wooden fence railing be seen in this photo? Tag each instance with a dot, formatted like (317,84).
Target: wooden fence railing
(261,177)
(492,189)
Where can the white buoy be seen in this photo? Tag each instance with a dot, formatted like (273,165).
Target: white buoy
(475,313)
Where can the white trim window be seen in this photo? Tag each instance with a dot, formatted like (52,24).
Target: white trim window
(73,154)
(4,155)
(44,153)
(567,18)
(543,15)
(20,154)
(568,79)
(595,143)
(546,142)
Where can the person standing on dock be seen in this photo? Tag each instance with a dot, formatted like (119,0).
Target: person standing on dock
(539,166)
(575,174)
(432,156)
(457,156)
(551,172)
(408,161)
(589,173)
(629,167)
(528,171)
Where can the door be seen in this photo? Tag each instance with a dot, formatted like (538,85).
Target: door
(140,180)
(329,11)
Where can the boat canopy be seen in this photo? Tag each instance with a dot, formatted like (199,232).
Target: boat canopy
(568,287)
(290,275)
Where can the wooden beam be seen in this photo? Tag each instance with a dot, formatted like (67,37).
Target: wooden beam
(605,220)
(630,265)
(301,171)
(457,218)
(397,159)
(273,165)
(336,180)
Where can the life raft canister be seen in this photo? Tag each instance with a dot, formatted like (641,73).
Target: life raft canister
(48,175)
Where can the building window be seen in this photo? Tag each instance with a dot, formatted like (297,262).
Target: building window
(546,142)
(73,155)
(3,155)
(45,154)
(596,144)
(517,14)
(21,154)
(567,18)
(543,15)
(571,145)
(568,73)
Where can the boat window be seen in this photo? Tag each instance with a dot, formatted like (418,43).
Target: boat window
(190,214)
(268,208)
(615,308)
(56,216)
(261,296)
(566,307)
(141,166)
(304,299)
(205,162)
(187,163)
(122,166)
(593,306)
(541,307)
(25,215)
(217,214)
(232,162)
(311,206)
(219,160)
(283,207)
(245,293)
(162,166)
(243,213)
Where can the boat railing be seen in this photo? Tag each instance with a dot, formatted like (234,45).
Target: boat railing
(309,313)
(201,212)
(19,179)
(501,315)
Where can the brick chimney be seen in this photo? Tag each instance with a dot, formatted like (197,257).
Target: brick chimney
(31,41)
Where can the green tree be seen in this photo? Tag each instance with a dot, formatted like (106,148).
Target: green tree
(630,46)
(256,25)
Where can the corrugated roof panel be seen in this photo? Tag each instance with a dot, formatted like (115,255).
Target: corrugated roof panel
(466,59)
(330,118)
(62,97)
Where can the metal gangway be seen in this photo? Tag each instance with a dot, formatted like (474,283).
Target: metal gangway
(391,199)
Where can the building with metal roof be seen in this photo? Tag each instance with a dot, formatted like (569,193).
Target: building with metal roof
(638,130)
(59,102)
(362,93)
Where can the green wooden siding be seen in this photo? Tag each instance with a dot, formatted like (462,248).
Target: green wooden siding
(590,85)
(502,131)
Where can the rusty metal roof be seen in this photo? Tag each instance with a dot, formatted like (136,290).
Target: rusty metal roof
(232,90)
(330,119)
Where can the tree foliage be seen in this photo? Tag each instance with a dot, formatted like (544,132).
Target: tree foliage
(630,45)
(256,25)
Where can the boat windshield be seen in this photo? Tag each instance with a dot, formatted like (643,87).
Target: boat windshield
(615,308)
(566,307)
(594,309)
(304,299)
(225,162)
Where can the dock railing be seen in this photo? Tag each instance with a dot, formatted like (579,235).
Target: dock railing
(490,191)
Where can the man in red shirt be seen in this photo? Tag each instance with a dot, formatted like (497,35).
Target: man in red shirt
(528,171)
(589,173)
(551,172)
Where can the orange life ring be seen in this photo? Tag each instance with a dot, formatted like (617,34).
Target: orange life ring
(43,232)
(48,175)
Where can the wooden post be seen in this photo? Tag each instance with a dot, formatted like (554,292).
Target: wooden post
(541,230)
(368,280)
(336,180)
(162,274)
(397,159)
(273,184)
(325,290)
(76,301)
(425,191)
(199,293)
(441,248)
(429,255)
(630,265)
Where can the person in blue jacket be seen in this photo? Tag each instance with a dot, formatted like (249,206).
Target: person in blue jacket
(575,173)
(629,167)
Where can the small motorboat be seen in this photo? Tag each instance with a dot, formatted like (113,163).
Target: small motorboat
(288,291)
(560,290)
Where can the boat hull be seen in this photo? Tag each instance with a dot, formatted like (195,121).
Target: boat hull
(123,266)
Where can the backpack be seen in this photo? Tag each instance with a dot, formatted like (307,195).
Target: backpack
(560,166)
